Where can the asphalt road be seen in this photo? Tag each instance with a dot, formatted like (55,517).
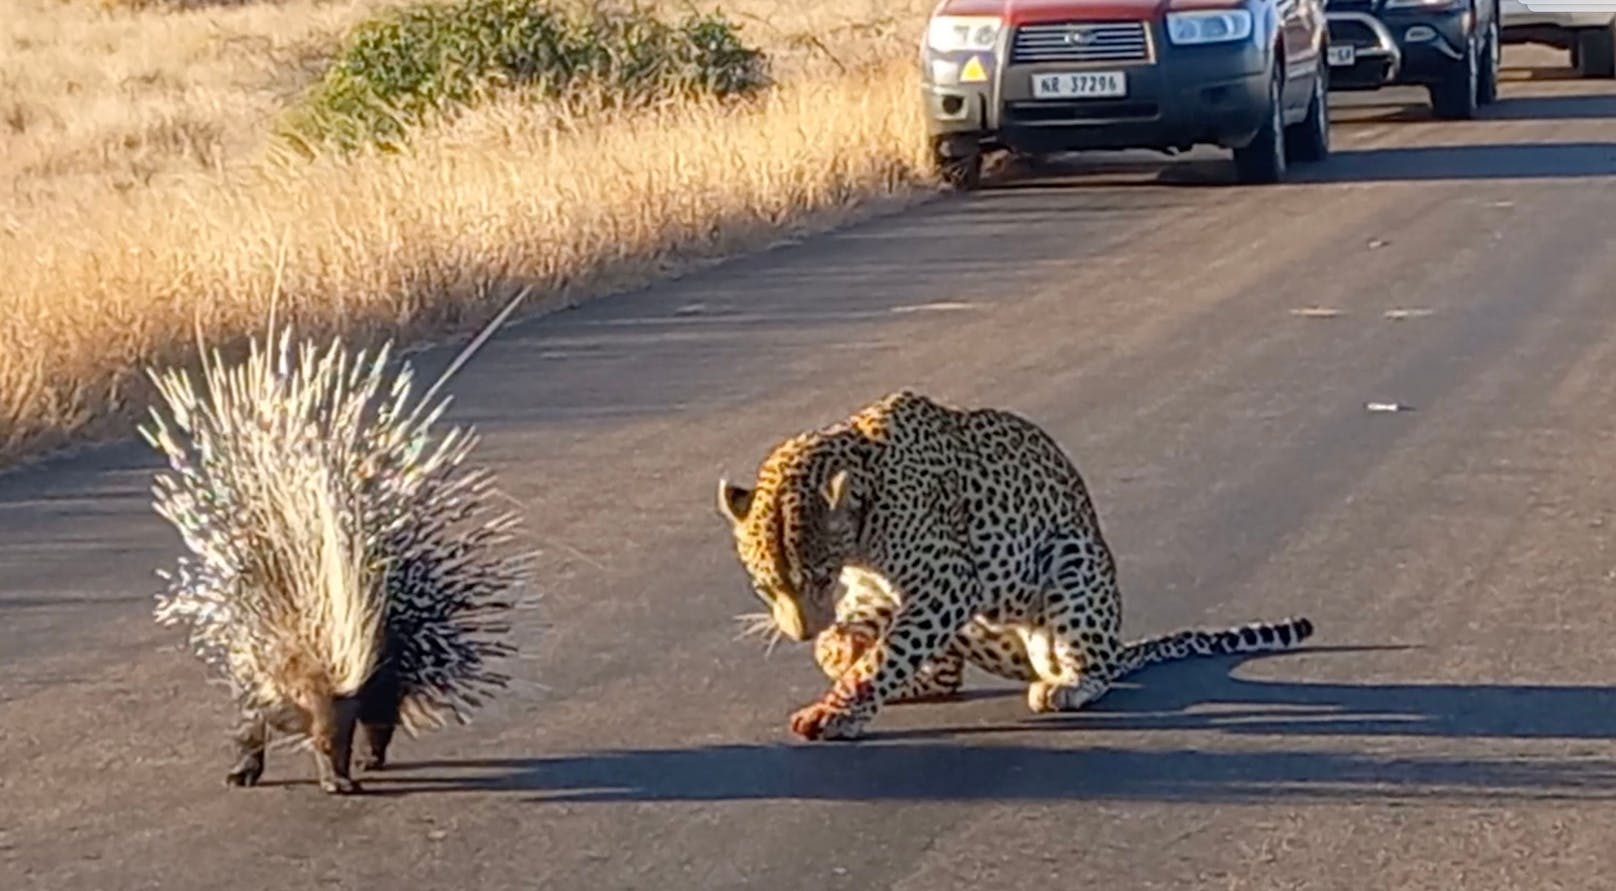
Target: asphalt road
(1449,726)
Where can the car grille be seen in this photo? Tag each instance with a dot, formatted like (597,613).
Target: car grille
(1349,6)
(1355,33)
(1047,112)
(1095,42)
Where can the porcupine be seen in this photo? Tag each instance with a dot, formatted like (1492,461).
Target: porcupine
(342,573)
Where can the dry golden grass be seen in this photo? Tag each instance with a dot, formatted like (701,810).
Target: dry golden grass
(126,235)
(95,105)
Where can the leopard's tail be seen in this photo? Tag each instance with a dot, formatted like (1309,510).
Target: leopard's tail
(1257,637)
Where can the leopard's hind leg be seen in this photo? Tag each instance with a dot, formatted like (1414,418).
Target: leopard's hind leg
(1075,644)
(999,651)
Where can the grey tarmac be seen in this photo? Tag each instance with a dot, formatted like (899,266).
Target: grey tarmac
(1449,726)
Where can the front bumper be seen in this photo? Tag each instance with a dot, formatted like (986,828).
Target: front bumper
(1516,19)
(1176,98)
(1396,47)
(1556,28)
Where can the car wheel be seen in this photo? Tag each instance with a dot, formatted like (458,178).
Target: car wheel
(1595,52)
(1455,97)
(1310,139)
(1487,83)
(1263,159)
(964,172)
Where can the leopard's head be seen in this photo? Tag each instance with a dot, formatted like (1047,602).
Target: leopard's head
(795,530)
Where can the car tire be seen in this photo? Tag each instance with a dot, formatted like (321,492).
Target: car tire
(1491,61)
(1262,161)
(1454,98)
(962,173)
(1309,140)
(1595,52)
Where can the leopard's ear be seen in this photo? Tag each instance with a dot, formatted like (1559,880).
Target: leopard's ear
(733,501)
(836,489)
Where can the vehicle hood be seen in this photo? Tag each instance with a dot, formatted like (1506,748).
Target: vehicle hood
(1017,12)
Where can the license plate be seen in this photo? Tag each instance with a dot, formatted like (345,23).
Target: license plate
(1079,85)
(1342,56)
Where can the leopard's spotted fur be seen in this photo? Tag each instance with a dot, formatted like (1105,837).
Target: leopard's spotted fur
(864,612)
(975,519)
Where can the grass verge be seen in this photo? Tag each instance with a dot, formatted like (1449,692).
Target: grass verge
(432,240)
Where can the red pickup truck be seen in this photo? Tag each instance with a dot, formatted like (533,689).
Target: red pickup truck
(1046,76)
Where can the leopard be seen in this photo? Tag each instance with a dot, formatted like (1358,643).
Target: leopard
(976,520)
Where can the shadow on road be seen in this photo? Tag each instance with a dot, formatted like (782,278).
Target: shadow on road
(55,602)
(1497,161)
(1591,106)
(913,772)
(1594,106)
(926,765)
(1566,160)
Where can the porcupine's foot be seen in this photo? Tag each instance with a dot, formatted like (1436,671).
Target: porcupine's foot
(247,771)
(334,778)
(333,753)
(377,738)
(250,736)
(379,702)
(340,786)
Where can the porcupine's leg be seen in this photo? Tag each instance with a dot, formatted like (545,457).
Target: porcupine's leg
(250,736)
(378,717)
(378,735)
(333,752)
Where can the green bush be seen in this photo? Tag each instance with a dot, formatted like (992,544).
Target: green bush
(427,61)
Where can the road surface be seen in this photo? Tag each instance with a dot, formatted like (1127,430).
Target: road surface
(1450,726)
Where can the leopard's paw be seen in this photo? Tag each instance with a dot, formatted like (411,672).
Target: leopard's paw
(1041,698)
(821,721)
(1044,697)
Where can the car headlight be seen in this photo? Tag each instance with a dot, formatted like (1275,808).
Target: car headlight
(948,33)
(1209,26)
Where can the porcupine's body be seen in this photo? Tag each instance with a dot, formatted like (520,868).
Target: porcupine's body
(343,572)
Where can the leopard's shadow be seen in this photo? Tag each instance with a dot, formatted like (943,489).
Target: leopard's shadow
(1284,740)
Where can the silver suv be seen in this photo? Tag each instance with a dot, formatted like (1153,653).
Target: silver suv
(1587,29)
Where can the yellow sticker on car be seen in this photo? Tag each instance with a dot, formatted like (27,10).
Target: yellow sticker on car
(973,72)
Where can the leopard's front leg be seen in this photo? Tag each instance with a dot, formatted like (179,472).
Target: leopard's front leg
(839,647)
(920,632)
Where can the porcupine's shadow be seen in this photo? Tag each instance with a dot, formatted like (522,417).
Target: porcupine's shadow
(1269,718)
